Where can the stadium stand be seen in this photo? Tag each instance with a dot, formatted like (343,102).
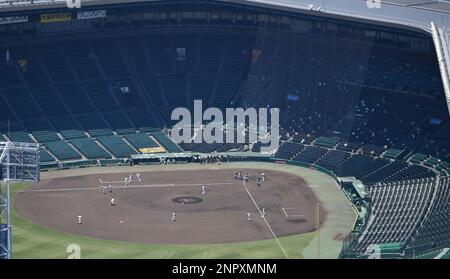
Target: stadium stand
(165,141)
(397,208)
(117,146)
(20,136)
(90,148)
(288,150)
(435,231)
(141,141)
(44,156)
(112,68)
(310,154)
(62,150)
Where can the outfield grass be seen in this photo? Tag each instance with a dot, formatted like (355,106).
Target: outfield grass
(34,241)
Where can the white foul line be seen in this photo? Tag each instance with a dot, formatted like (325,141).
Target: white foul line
(267,223)
(134,187)
(287,215)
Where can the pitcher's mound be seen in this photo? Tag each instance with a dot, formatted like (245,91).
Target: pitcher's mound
(187,200)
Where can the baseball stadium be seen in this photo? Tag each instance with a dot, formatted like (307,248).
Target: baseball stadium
(353,162)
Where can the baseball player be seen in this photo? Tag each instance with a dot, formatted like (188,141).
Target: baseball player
(174,216)
(258,181)
(110,188)
(138,175)
(203,189)
(130,179)
(235,174)
(113,202)
(104,189)
(263,213)
(263,175)
(249,216)
(126,181)
(79,219)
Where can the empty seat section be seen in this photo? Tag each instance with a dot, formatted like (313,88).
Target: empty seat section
(119,121)
(44,156)
(142,119)
(117,146)
(95,124)
(310,154)
(42,131)
(165,141)
(90,148)
(141,141)
(62,150)
(333,160)
(19,136)
(68,127)
(287,150)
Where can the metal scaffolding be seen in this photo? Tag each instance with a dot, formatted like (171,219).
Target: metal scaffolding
(18,162)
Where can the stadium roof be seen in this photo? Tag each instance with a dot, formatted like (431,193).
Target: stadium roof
(435,5)
(414,13)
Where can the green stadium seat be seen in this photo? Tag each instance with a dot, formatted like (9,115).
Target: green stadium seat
(141,141)
(100,132)
(326,142)
(165,141)
(90,148)
(62,150)
(73,134)
(117,146)
(393,153)
(20,136)
(44,136)
(44,156)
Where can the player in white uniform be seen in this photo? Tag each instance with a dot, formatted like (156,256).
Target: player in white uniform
(203,189)
(245,179)
(113,202)
(174,216)
(79,219)
(249,216)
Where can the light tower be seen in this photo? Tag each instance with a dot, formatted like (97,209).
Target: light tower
(18,162)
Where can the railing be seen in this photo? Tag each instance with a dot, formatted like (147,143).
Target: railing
(442,50)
